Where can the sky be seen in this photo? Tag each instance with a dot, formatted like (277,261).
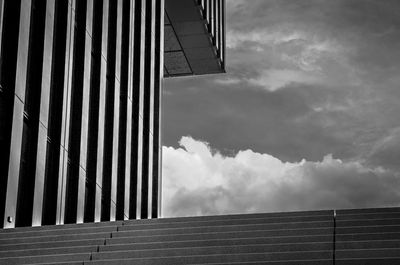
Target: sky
(306,117)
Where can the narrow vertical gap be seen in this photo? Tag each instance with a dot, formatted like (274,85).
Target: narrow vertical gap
(8,64)
(205,13)
(146,111)
(156,130)
(334,238)
(214,21)
(76,113)
(90,188)
(223,34)
(55,113)
(209,14)
(135,109)
(31,115)
(219,29)
(123,110)
(109,112)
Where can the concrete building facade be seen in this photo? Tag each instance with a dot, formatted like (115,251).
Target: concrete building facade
(80,100)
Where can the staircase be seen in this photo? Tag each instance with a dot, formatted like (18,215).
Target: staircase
(362,236)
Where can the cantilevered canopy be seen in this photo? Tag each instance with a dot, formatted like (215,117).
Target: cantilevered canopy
(194,37)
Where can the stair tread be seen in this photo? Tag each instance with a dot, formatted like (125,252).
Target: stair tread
(314,246)
(204,223)
(177,261)
(50,244)
(211,251)
(46,258)
(218,242)
(233,257)
(61,226)
(48,251)
(58,232)
(54,238)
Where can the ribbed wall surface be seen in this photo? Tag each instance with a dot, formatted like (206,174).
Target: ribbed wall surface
(367,236)
(79,110)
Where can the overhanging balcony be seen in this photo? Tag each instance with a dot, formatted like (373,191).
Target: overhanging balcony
(194,37)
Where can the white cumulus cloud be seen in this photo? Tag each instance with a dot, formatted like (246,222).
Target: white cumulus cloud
(198,180)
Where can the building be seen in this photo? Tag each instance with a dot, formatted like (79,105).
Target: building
(80,102)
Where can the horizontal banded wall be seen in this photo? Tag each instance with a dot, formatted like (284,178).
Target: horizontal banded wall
(79,110)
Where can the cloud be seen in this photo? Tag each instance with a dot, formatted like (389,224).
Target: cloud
(350,41)
(275,79)
(261,36)
(386,151)
(200,181)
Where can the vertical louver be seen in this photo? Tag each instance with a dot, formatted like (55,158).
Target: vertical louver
(80,81)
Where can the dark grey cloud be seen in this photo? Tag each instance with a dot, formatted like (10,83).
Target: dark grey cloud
(386,151)
(332,67)
(279,122)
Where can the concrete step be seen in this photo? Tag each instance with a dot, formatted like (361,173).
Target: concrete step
(368,210)
(368,253)
(293,229)
(53,244)
(60,263)
(224,238)
(217,258)
(278,236)
(178,261)
(22,240)
(368,236)
(368,216)
(138,244)
(48,251)
(59,232)
(232,217)
(374,244)
(186,235)
(313,246)
(56,227)
(286,262)
(198,223)
(368,229)
(273,224)
(369,261)
(367,222)
(76,257)
(211,251)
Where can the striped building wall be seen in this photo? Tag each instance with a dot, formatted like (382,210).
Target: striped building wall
(80,110)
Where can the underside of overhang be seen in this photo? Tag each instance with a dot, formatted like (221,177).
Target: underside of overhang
(193,39)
